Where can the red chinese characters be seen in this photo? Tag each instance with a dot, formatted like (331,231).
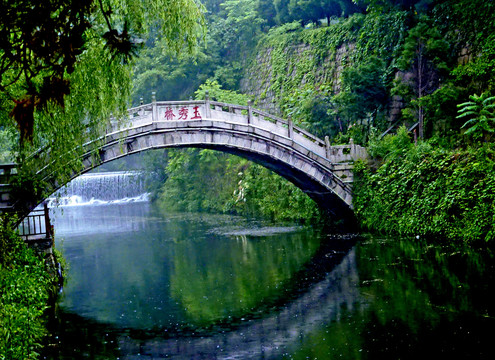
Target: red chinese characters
(169,114)
(183,113)
(197,115)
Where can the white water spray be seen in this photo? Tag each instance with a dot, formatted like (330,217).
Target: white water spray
(101,189)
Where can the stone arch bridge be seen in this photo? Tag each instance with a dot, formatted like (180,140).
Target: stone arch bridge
(322,171)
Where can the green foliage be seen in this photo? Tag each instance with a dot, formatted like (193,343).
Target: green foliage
(382,35)
(388,5)
(296,60)
(197,180)
(425,55)
(262,192)
(480,112)
(431,192)
(313,11)
(211,181)
(6,146)
(171,77)
(305,71)
(65,71)
(479,72)
(363,93)
(24,291)
(44,42)
(215,92)
(440,110)
(467,23)
(390,146)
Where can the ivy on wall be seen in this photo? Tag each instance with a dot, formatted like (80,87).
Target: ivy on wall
(301,70)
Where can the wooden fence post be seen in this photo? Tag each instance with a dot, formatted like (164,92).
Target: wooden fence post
(48,225)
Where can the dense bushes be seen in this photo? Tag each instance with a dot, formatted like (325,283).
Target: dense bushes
(428,191)
(24,292)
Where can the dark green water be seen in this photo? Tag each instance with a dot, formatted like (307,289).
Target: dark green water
(197,286)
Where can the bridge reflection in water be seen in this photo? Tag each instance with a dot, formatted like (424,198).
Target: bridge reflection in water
(196,286)
(283,332)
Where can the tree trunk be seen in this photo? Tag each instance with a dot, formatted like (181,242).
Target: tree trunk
(420,92)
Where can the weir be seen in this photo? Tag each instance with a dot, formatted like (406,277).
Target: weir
(101,189)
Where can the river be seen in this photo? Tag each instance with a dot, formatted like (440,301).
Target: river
(145,285)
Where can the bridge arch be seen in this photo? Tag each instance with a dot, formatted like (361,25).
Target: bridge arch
(305,160)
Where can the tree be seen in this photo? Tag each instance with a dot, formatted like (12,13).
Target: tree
(381,5)
(331,8)
(266,10)
(364,93)
(44,42)
(172,77)
(65,70)
(424,55)
(282,11)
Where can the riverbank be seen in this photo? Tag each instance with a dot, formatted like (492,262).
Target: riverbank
(428,191)
(25,290)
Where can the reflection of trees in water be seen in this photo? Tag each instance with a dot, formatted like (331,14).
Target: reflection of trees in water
(272,335)
(228,279)
(413,279)
(423,301)
(382,299)
(264,336)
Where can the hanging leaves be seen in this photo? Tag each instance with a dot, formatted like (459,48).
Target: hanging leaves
(42,42)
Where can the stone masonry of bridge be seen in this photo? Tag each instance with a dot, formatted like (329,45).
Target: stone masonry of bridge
(322,171)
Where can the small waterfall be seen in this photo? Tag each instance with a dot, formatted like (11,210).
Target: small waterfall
(101,189)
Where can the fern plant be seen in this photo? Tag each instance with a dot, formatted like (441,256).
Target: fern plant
(480,112)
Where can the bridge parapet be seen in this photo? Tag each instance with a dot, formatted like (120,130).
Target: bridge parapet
(240,114)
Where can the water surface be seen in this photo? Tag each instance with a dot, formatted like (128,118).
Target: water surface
(143,285)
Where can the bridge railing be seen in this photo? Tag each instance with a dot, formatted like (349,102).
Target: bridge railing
(255,117)
(157,111)
(7,171)
(36,226)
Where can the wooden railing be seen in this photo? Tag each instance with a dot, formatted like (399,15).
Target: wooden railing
(36,226)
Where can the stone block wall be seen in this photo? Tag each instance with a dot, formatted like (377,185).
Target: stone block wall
(258,78)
